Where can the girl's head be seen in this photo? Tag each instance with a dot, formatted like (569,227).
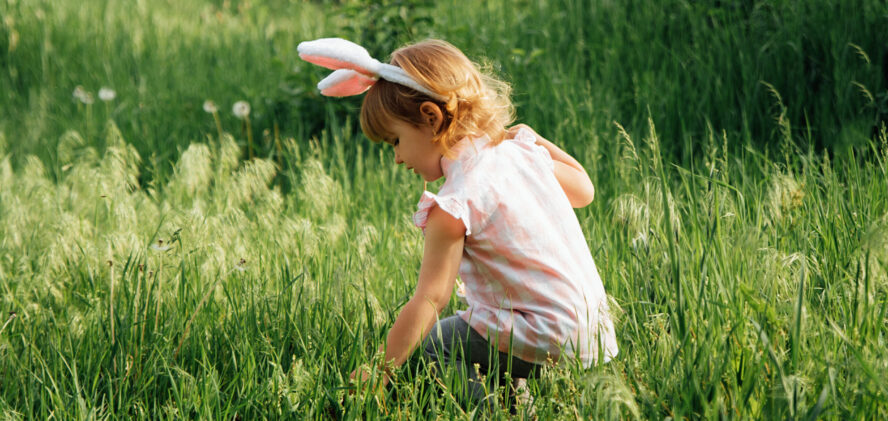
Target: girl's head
(476,104)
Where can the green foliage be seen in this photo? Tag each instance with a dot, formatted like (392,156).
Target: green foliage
(147,270)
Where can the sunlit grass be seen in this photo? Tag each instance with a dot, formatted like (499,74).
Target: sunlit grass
(148,268)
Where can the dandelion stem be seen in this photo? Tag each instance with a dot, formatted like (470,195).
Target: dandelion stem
(88,118)
(277,144)
(249,136)
(218,123)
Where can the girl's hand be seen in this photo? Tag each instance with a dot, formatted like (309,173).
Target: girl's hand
(362,378)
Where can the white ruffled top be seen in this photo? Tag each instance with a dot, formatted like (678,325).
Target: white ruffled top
(532,286)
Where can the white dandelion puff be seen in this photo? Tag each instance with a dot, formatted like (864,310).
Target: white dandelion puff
(79,93)
(210,107)
(241,109)
(107,94)
(87,99)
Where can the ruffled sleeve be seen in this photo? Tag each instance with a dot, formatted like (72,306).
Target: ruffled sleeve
(448,204)
(527,140)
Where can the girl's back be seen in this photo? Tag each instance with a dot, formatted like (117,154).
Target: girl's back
(526,265)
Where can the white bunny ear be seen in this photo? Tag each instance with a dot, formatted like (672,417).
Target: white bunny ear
(337,53)
(399,76)
(355,70)
(345,82)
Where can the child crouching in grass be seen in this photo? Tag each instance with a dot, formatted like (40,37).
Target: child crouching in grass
(503,219)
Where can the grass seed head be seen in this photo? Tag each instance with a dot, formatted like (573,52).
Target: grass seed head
(193,173)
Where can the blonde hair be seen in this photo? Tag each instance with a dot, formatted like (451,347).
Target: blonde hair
(477,104)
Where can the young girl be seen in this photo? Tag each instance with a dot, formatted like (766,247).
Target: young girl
(502,221)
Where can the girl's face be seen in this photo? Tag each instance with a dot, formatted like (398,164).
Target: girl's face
(414,148)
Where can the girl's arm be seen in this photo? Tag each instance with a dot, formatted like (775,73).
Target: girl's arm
(444,238)
(570,174)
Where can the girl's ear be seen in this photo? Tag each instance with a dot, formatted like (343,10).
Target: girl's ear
(431,115)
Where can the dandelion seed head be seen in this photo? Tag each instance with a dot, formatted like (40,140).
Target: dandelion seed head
(107,94)
(241,109)
(79,93)
(209,107)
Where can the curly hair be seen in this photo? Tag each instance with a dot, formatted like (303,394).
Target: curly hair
(476,105)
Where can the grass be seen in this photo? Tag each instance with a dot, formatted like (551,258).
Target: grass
(149,270)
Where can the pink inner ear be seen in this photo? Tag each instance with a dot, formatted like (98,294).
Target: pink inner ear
(332,63)
(351,86)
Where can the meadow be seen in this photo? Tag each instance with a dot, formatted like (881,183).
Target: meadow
(161,257)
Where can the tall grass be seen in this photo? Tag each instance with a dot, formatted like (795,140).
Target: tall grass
(148,270)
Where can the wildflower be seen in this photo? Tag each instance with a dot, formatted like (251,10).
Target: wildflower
(210,107)
(241,109)
(241,265)
(159,246)
(107,94)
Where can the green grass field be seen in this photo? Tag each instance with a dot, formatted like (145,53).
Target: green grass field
(150,269)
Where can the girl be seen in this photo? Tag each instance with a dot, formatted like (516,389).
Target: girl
(502,220)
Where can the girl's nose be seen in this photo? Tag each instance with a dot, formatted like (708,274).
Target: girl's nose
(398,159)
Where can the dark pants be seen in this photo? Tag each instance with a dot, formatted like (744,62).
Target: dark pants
(453,343)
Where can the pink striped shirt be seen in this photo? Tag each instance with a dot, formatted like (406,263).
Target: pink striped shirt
(531,283)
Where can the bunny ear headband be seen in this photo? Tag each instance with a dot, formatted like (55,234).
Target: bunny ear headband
(354,70)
